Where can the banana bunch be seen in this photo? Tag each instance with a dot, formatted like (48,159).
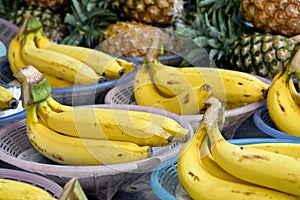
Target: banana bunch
(283,99)
(14,189)
(209,167)
(63,65)
(7,99)
(98,136)
(146,92)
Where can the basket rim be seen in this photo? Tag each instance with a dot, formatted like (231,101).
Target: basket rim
(163,194)
(261,125)
(84,171)
(33,179)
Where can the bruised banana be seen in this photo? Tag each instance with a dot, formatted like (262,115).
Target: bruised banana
(203,185)
(7,99)
(282,106)
(168,124)
(227,85)
(102,63)
(187,102)
(105,124)
(57,64)
(60,148)
(257,166)
(13,189)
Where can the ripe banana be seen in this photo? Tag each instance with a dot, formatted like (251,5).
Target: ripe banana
(228,85)
(102,63)
(105,124)
(282,105)
(57,64)
(201,184)
(288,149)
(7,99)
(168,124)
(257,166)
(13,189)
(187,102)
(61,148)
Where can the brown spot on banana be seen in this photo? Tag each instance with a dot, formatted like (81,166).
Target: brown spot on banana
(196,178)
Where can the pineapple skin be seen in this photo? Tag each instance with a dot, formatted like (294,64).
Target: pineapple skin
(50,4)
(132,39)
(154,12)
(262,54)
(273,16)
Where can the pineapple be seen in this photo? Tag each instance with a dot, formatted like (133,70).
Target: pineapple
(50,4)
(154,12)
(131,39)
(234,44)
(273,16)
(14,11)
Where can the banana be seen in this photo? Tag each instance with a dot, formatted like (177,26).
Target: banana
(7,99)
(13,190)
(105,124)
(57,64)
(257,166)
(228,85)
(288,149)
(201,184)
(212,167)
(61,148)
(168,124)
(102,63)
(187,102)
(282,106)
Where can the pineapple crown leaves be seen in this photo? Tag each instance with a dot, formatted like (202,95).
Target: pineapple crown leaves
(217,25)
(87,20)
(7,7)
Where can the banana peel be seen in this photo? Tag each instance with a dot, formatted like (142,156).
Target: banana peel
(73,191)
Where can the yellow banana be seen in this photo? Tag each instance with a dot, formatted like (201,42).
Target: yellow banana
(142,128)
(57,64)
(7,99)
(102,63)
(187,102)
(61,148)
(228,85)
(212,167)
(16,62)
(105,124)
(201,184)
(288,149)
(283,108)
(257,166)
(14,190)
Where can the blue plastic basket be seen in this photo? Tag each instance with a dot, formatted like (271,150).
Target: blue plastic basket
(164,179)
(264,123)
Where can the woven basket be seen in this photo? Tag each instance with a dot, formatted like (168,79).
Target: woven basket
(264,123)
(101,182)
(123,94)
(51,187)
(164,180)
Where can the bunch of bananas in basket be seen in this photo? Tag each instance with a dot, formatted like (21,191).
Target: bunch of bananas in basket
(210,167)
(63,65)
(283,99)
(182,89)
(99,136)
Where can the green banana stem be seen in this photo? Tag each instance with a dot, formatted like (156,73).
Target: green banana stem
(34,85)
(73,191)
(33,24)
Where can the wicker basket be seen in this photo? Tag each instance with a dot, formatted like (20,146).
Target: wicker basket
(101,182)
(123,94)
(51,187)
(264,123)
(164,180)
